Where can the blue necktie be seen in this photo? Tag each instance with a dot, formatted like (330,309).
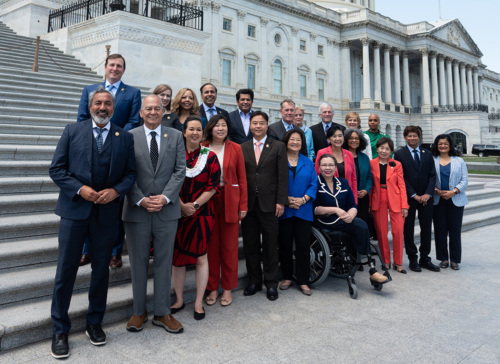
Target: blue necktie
(98,138)
(212,112)
(111,88)
(289,127)
(417,158)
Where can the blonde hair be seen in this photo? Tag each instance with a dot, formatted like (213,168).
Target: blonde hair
(176,104)
(299,108)
(353,114)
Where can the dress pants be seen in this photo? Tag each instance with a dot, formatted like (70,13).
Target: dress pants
(222,249)
(72,234)
(425,222)
(448,221)
(359,231)
(255,223)
(298,230)
(139,242)
(382,227)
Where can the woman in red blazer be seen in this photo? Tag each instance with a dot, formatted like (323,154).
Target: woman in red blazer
(230,208)
(388,193)
(345,160)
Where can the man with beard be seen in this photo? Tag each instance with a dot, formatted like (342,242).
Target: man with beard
(94,167)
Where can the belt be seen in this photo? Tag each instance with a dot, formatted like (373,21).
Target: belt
(383,186)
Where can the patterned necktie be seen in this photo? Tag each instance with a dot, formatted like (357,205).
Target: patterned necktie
(257,151)
(326,129)
(289,127)
(416,158)
(153,150)
(212,112)
(98,138)
(110,88)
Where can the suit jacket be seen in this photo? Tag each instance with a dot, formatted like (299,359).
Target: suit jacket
(418,180)
(127,106)
(396,187)
(319,137)
(269,177)
(459,178)
(71,169)
(219,111)
(167,180)
(235,181)
(236,130)
(277,131)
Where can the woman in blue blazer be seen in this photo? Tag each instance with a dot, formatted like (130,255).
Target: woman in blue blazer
(449,201)
(296,221)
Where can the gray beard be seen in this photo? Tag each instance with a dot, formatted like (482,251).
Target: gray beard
(100,120)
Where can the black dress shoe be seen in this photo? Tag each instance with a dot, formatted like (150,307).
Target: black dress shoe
(199,316)
(430,266)
(60,347)
(174,310)
(415,267)
(272,294)
(455,266)
(252,289)
(96,334)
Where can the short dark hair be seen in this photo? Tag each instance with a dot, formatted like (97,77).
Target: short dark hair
(189,119)
(435,150)
(115,56)
(245,91)
(413,129)
(362,141)
(100,90)
(206,84)
(327,156)
(289,134)
(333,129)
(385,140)
(261,113)
(207,134)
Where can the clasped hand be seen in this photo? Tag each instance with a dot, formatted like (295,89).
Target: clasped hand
(445,194)
(102,197)
(295,202)
(153,203)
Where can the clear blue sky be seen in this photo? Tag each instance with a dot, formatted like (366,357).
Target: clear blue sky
(479,17)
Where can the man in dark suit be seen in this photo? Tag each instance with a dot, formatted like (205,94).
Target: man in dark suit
(420,178)
(126,116)
(152,208)
(94,167)
(278,130)
(266,167)
(319,130)
(208,108)
(239,120)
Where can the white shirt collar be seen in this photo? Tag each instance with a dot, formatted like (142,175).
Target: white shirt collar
(94,125)
(263,140)
(116,84)
(148,131)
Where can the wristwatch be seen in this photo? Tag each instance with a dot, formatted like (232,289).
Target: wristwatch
(196,205)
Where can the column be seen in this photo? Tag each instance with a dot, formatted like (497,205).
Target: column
(434,79)
(442,84)
(406,80)
(387,74)
(335,65)
(265,82)
(463,83)
(346,73)
(480,82)
(426,106)
(451,98)
(476,86)
(470,90)
(397,78)
(456,84)
(366,102)
(376,67)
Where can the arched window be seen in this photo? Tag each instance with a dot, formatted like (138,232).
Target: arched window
(277,77)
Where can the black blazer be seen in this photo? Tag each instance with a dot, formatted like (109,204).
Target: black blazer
(319,137)
(277,131)
(236,130)
(219,111)
(269,178)
(418,181)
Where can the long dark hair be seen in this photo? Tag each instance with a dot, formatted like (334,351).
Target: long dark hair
(362,140)
(435,150)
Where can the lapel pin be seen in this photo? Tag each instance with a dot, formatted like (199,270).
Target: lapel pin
(267,145)
(117,133)
(423,151)
(168,117)
(123,89)
(165,135)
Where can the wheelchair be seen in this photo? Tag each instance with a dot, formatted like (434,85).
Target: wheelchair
(331,253)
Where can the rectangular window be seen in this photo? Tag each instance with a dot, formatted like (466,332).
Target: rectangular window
(251,76)
(226,24)
(303,90)
(251,31)
(320,50)
(321,89)
(277,68)
(226,72)
(302,46)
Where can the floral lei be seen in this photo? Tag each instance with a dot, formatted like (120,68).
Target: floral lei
(200,163)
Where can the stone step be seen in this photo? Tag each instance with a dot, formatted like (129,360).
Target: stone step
(28,226)
(11,152)
(29,322)
(32,130)
(480,194)
(24,168)
(25,253)
(35,120)
(48,78)
(28,139)
(27,203)
(11,43)
(53,96)
(32,112)
(8,36)
(40,106)
(43,66)
(33,185)
(46,56)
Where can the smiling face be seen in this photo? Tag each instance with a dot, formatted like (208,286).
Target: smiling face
(152,111)
(337,139)
(326,114)
(299,117)
(187,100)
(412,139)
(219,132)
(287,112)
(258,127)
(101,108)
(294,143)
(384,151)
(209,95)
(352,123)
(443,146)
(327,167)
(353,141)
(114,70)
(193,133)
(166,97)
(245,103)
(373,122)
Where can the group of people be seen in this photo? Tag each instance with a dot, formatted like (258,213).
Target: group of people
(178,177)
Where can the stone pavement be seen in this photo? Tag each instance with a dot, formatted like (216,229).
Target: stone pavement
(451,316)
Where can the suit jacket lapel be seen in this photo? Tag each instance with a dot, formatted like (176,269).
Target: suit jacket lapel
(164,137)
(227,157)
(115,145)
(143,145)
(119,93)
(88,140)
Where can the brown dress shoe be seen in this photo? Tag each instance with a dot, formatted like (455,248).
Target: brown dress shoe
(379,278)
(169,323)
(116,262)
(85,259)
(136,323)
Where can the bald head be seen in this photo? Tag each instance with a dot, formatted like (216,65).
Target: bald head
(373,122)
(152,111)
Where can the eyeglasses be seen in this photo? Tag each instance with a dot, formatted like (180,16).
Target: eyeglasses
(327,165)
(354,139)
(373,120)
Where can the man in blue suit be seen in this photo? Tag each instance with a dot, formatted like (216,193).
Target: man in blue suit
(126,116)
(94,167)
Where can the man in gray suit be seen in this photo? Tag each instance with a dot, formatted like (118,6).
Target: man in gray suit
(278,130)
(152,209)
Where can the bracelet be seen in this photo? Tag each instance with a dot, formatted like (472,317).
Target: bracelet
(304,199)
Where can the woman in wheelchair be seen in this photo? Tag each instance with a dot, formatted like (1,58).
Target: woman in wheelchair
(335,209)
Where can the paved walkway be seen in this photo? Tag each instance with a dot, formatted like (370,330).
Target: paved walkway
(451,316)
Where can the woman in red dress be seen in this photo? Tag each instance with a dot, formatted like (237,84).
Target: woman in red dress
(197,210)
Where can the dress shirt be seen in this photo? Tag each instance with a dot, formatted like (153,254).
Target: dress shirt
(105,131)
(262,141)
(209,113)
(287,126)
(245,120)
(116,86)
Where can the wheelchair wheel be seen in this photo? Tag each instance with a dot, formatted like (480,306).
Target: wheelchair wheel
(353,290)
(319,258)
(344,259)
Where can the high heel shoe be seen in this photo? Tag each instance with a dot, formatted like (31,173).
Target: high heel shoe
(386,267)
(399,268)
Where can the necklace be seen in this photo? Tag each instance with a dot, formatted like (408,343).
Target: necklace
(292,159)
(200,163)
